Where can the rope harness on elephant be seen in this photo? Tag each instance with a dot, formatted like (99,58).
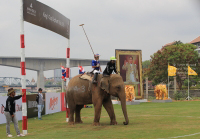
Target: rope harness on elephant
(88,76)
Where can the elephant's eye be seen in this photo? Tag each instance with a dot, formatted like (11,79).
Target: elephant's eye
(118,87)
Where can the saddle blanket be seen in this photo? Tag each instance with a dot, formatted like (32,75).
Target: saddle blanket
(86,77)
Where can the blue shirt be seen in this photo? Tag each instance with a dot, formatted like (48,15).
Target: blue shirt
(94,63)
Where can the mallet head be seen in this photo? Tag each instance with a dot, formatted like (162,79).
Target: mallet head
(81,25)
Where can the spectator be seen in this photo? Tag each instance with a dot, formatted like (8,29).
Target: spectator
(10,112)
(40,102)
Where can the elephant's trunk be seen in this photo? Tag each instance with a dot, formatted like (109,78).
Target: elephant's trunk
(122,98)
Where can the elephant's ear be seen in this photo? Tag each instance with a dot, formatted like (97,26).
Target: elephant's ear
(104,84)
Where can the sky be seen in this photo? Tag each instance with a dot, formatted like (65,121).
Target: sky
(146,25)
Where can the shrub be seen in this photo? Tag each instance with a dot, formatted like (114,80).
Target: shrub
(186,83)
(178,95)
(150,98)
(196,98)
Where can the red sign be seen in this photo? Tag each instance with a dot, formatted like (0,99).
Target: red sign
(63,103)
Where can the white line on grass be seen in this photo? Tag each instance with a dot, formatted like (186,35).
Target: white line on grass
(167,115)
(161,115)
(181,136)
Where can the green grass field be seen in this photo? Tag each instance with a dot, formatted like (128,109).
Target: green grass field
(147,121)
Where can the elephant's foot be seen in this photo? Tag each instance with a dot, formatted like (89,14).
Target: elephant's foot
(113,123)
(71,123)
(78,122)
(156,97)
(96,124)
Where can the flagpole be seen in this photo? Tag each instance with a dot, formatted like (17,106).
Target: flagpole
(190,72)
(188,88)
(168,86)
(62,79)
(168,80)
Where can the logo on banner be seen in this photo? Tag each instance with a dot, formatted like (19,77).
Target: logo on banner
(53,102)
(2,110)
(18,108)
(31,11)
(32,104)
(53,19)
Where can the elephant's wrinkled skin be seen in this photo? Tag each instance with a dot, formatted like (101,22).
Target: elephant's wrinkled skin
(78,94)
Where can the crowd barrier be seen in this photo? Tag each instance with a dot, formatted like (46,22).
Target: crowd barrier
(32,110)
(54,102)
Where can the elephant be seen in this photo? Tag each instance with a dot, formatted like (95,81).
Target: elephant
(130,93)
(81,92)
(159,91)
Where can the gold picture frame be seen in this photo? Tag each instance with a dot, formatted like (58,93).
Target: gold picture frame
(129,65)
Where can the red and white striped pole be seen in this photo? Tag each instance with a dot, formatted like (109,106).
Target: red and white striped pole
(67,75)
(23,72)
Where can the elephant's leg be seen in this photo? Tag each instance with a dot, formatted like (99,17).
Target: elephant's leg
(110,110)
(78,115)
(160,95)
(97,109)
(157,95)
(72,107)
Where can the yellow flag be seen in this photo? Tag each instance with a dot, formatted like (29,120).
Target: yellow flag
(191,72)
(171,70)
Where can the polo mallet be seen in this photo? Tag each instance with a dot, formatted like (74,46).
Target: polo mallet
(87,38)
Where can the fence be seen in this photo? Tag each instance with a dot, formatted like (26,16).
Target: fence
(193,93)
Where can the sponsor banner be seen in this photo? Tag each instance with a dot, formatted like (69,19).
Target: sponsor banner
(18,109)
(44,16)
(63,102)
(32,109)
(52,103)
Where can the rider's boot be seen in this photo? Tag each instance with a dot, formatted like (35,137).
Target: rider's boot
(94,81)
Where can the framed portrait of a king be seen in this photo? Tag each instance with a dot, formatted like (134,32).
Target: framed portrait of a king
(129,65)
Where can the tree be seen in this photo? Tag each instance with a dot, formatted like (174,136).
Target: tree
(178,55)
(186,83)
(48,83)
(177,42)
(145,65)
(59,83)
